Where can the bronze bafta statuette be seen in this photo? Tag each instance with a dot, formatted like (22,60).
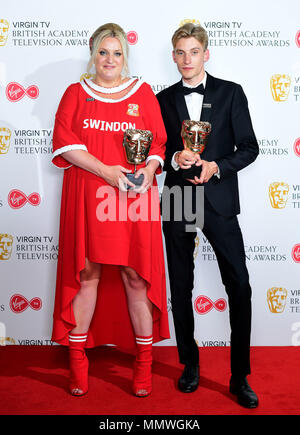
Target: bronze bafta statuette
(194,135)
(137,145)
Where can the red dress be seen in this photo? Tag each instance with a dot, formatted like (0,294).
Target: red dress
(93,221)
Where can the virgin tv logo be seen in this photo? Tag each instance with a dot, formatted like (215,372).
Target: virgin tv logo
(132,37)
(203,304)
(18,303)
(17,199)
(296,253)
(297,38)
(297,147)
(15,92)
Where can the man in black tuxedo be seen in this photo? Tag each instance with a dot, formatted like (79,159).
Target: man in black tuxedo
(231,146)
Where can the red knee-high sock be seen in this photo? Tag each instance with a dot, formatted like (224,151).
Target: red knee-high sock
(79,364)
(142,375)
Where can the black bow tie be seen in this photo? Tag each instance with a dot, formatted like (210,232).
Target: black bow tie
(199,89)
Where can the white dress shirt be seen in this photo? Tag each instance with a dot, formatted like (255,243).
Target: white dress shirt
(194,102)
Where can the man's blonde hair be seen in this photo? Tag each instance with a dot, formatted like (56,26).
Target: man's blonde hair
(189,30)
(108,30)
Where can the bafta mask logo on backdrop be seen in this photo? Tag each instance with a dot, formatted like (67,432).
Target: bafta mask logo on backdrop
(17,199)
(297,38)
(5,135)
(6,244)
(278,194)
(4,26)
(203,304)
(297,147)
(188,20)
(132,37)
(6,340)
(86,76)
(280,86)
(15,92)
(296,253)
(18,303)
(197,242)
(276,297)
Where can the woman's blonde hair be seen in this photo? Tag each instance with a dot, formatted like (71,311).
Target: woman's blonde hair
(107,30)
(187,31)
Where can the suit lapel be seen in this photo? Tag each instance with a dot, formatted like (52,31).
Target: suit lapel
(180,104)
(207,109)
(207,106)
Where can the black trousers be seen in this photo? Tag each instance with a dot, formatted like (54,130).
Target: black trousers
(225,237)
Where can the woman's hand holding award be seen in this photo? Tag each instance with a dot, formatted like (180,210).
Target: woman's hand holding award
(137,145)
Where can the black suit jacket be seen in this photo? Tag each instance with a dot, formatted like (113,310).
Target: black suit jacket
(231,144)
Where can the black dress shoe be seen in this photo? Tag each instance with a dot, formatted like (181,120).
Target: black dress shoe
(245,395)
(189,380)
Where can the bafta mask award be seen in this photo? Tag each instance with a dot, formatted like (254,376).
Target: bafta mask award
(194,135)
(137,145)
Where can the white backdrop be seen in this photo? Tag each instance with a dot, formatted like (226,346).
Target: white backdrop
(44,48)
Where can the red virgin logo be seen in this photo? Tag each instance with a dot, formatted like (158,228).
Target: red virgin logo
(17,199)
(132,37)
(203,304)
(296,253)
(297,38)
(297,147)
(19,303)
(15,92)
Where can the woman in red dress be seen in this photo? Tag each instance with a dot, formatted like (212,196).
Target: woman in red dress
(110,285)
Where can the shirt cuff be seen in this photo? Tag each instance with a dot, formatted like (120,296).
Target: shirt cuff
(173,162)
(217,174)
